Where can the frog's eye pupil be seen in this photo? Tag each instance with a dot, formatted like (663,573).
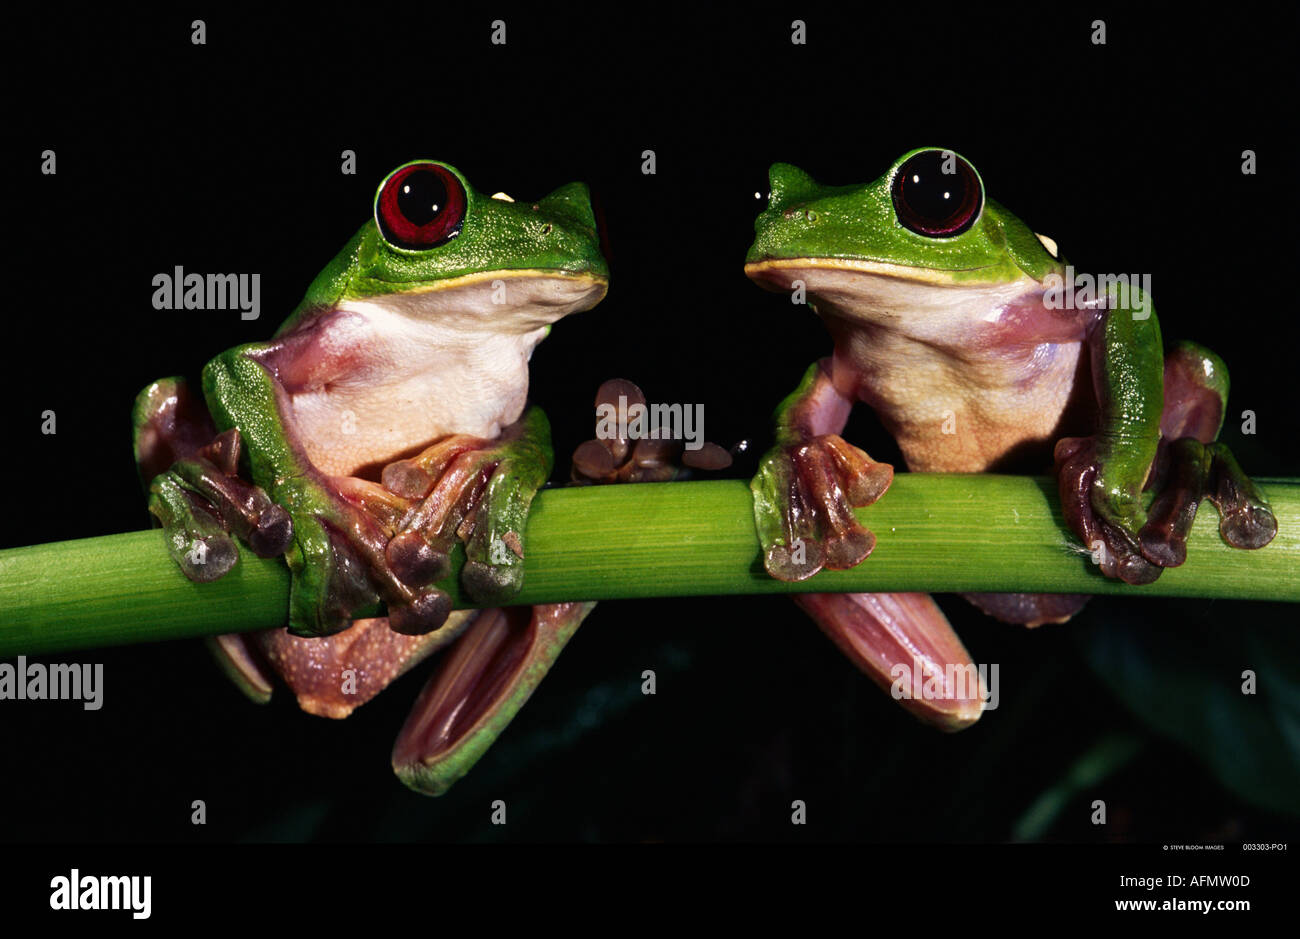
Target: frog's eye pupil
(420,206)
(937,194)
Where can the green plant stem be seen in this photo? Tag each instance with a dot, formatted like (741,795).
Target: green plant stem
(934,533)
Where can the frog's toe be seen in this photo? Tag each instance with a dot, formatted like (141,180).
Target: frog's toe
(864,480)
(1251,527)
(427,612)
(796,561)
(848,549)
(204,558)
(272,532)
(1181,468)
(414,561)
(246,510)
(1114,550)
(492,583)
(331,579)
(803,506)
(196,539)
(1188,471)
(1245,519)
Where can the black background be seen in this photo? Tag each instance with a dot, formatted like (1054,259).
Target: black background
(225,158)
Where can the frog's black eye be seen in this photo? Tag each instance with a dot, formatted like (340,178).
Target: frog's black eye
(420,206)
(937,194)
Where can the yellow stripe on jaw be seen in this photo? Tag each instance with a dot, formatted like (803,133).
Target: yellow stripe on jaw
(884,269)
(478,277)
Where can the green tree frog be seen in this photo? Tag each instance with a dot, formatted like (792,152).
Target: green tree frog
(946,315)
(386,419)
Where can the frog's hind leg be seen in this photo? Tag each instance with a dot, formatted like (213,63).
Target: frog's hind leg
(904,643)
(478,687)
(194,490)
(1190,465)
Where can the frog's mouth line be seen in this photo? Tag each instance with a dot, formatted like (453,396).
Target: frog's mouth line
(518,300)
(776,274)
(479,278)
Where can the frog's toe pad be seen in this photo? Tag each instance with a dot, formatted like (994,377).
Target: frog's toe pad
(424,614)
(1133,568)
(272,535)
(849,549)
(1245,520)
(795,563)
(1163,548)
(492,583)
(208,557)
(1252,527)
(414,561)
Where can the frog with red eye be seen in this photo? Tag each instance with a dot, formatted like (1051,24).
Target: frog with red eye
(949,320)
(385,420)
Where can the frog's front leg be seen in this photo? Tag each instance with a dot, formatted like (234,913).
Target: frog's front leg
(804,492)
(341,525)
(809,482)
(1157,429)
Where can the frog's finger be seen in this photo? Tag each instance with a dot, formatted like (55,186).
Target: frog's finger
(479,685)
(416,477)
(245,508)
(494,553)
(1114,549)
(196,539)
(329,578)
(1183,468)
(494,550)
(419,553)
(1245,519)
(844,541)
(866,480)
(786,526)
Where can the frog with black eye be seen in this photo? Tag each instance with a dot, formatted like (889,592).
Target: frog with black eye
(386,420)
(944,313)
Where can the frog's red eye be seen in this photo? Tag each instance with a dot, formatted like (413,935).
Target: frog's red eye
(937,194)
(420,206)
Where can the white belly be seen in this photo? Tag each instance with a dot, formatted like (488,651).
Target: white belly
(403,384)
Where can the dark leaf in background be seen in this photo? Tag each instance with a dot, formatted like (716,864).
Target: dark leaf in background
(1182,675)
